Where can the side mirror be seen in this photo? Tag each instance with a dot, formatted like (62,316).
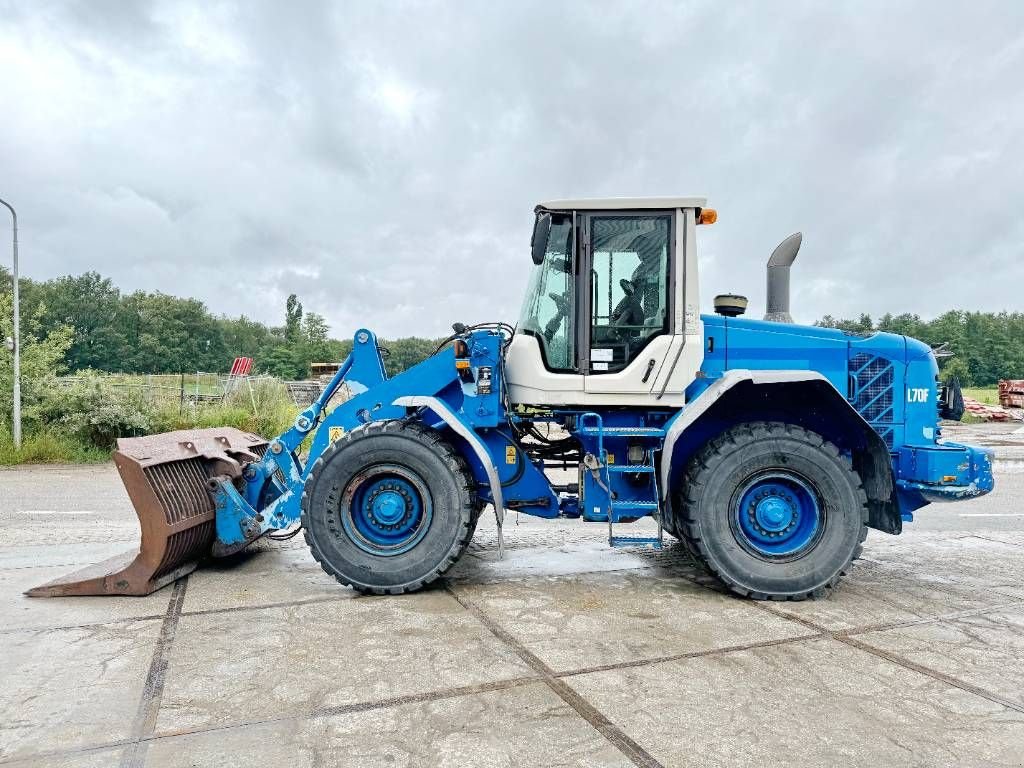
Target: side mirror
(541,233)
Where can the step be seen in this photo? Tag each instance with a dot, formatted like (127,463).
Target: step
(645,506)
(631,468)
(634,541)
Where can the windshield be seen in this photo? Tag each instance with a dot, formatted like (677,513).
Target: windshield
(548,308)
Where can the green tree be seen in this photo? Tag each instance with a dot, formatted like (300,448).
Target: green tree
(407,352)
(284,362)
(42,357)
(293,319)
(91,305)
(245,338)
(956,368)
(862,324)
(170,335)
(315,331)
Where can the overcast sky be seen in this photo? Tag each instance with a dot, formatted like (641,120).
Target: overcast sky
(382,160)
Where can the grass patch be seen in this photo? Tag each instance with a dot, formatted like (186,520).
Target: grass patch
(49,446)
(265,410)
(986,395)
(267,423)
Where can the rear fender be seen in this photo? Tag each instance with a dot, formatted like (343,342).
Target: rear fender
(805,398)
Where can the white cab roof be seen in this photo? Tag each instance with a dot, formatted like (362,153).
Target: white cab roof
(624,203)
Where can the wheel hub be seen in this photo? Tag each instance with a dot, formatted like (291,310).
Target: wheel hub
(387,505)
(774,514)
(386,510)
(778,515)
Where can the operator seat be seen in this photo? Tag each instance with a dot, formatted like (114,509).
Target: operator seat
(647,281)
(628,311)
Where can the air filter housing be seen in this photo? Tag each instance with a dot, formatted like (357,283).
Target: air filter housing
(730,304)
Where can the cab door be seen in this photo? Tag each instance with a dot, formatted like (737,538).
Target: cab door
(628,306)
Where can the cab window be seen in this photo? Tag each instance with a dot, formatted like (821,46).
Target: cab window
(629,286)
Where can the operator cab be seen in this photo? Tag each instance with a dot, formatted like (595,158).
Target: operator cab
(608,307)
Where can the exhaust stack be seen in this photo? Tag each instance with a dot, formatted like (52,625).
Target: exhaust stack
(778,278)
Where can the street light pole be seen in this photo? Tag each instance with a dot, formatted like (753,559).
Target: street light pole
(16,416)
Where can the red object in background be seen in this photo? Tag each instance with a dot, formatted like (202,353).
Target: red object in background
(242,366)
(985,412)
(1011,393)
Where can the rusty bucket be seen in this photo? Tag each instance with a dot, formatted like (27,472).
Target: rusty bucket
(167,478)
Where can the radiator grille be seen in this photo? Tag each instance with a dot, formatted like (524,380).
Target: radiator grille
(871,392)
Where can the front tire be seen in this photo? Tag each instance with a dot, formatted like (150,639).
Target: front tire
(388,507)
(774,511)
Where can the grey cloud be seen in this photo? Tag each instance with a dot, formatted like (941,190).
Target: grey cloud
(382,160)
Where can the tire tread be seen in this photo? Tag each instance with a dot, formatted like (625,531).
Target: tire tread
(470,509)
(705,461)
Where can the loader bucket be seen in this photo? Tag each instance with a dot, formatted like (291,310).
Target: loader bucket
(167,478)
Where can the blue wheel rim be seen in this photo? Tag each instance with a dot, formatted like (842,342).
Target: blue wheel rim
(778,515)
(386,510)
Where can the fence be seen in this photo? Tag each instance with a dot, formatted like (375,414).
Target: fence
(195,389)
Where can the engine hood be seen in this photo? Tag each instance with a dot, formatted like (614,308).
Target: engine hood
(787,335)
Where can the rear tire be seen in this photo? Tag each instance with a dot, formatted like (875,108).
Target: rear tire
(389,507)
(773,510)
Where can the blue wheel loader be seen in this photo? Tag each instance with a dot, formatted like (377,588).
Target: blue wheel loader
(766,448)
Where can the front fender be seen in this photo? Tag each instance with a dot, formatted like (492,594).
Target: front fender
(467,433)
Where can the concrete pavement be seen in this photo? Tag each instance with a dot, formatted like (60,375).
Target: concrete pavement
(565,653)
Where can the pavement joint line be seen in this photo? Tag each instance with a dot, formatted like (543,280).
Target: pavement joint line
(932,673)
(692,655)
(86,625)
(913,666)
(1013,602)
(611,732)
(363,706)
(322,712)
(153,689)
(343,595)
(995,541)
(840,635)
(44,565)
(203,612)
(457,580)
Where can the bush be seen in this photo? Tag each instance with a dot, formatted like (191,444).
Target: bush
(95,414)
(81,422)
